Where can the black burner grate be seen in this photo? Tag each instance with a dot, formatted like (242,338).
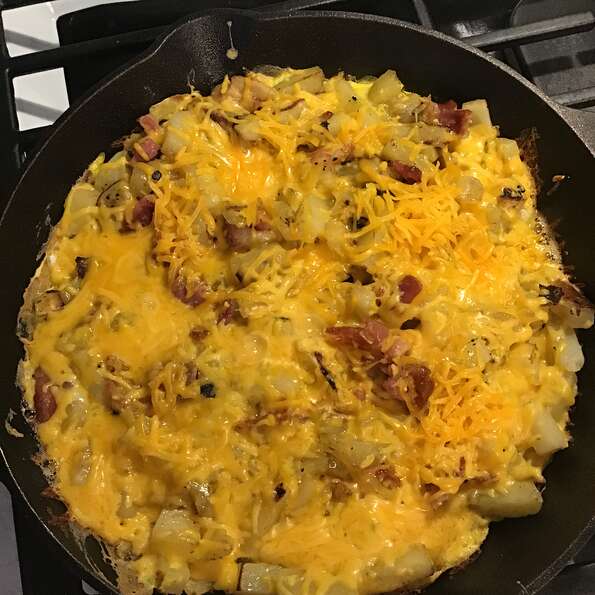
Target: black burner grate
(551,42)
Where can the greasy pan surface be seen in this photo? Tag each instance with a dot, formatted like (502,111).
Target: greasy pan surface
(520,555)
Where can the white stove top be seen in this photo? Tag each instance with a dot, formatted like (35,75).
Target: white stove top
(40,97)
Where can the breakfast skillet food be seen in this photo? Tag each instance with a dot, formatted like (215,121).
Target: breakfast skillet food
(303,335)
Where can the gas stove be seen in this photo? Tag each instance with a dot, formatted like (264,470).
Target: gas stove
(42,46)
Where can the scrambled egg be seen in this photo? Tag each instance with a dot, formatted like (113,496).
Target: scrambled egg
(303,335)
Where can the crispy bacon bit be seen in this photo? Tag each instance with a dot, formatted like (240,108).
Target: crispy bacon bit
(448,115)
(411,379)
(227,311)
(198,333)
(81,266)
(280,491)
(339,490)
(409,288)
(513,193)
(368,337)
(148,123)
(146,149)
(386,476)
(410,324)
(430,488)
(408,174)
(143,210)
(327,375)
(552,293)
(193,295)
(238,238)
(43,399)
(325,117)
(423,383)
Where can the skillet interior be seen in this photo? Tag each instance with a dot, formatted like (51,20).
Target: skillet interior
(520,555)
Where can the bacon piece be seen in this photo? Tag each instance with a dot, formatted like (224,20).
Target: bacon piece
(397,349)
(43,399)
(448,115)
(238,238)
(411,379)
(143,210)
(408,174)
(192,296)
(146,149)
(262,225)
(148,123)
(368,337)
(409,288)
(423,383)
(198,333)
(228,310)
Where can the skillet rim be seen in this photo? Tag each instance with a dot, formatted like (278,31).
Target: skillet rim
(576,120)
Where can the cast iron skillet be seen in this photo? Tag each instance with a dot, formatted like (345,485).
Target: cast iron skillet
(519,556)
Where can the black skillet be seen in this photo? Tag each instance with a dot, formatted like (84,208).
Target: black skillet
(520,556)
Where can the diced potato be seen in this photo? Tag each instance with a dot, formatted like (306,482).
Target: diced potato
(386,87)
(570,354)
(471,189)
(549,436)
(409,569)
(179,133)
(314,216)
(249,129)
(520,499)
(309,80)
(82,196)
(111,172)
(175,578)
(507,148)
(175,530)
(480,113)
(363,300)
(346,95)
(264,578)
(197,587)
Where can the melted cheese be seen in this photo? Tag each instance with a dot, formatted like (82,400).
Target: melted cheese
(482,335)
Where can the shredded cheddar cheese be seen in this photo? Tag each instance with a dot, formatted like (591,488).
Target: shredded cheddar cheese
(302,335)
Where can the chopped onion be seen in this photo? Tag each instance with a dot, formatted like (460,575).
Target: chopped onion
(249,129)
(200,492)
(81,466)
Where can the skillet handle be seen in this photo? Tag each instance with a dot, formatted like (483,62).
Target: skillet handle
(583,123)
